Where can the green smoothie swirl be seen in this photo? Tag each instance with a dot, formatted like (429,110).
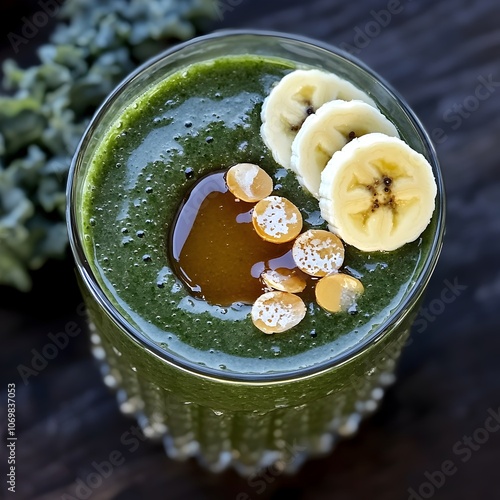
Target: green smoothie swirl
(203,119)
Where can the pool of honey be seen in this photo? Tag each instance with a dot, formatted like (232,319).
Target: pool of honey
(215,250)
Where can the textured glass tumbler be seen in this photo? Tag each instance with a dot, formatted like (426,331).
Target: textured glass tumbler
(249,422)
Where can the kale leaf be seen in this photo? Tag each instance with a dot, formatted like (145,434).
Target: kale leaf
(93,47)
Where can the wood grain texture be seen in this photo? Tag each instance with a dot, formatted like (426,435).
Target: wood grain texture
(435,54)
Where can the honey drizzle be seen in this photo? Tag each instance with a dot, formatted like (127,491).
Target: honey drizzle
(214,249)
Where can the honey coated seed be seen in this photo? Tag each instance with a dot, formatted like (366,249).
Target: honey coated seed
(249,182)
(318,252)
(284,280)
(275,312)
(338,292)
(276,219)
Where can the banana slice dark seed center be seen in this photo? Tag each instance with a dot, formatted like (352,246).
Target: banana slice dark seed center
(381,193)
(309,110)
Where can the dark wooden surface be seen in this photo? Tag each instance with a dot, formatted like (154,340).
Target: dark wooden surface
(436,54)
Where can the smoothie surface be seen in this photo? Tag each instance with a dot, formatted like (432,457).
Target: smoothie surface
(200,120)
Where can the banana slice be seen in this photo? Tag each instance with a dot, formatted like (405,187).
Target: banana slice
(284,280)
(249,182)
(276,312)
(276,219)
(338,292)
(295,97)
(318,253)
(332,126)
(377,193)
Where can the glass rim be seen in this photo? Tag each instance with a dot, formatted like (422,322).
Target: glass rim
(98,294)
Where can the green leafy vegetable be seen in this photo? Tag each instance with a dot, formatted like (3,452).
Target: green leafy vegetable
(95,45)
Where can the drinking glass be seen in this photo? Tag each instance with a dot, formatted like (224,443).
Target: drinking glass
(242,420)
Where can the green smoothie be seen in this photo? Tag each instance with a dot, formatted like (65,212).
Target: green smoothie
(201,376)
(203,119)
